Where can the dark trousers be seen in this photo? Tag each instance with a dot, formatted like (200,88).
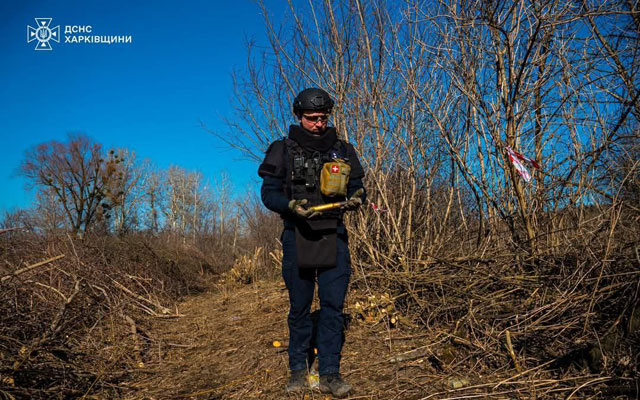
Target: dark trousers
(332,288)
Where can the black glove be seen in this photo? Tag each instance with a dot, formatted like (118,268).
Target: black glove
(296,207)
(354,201)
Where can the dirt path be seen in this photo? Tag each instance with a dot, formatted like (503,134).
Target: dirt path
(223,349)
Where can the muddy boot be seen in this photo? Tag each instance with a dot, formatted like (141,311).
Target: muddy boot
(297,381)
(334,384)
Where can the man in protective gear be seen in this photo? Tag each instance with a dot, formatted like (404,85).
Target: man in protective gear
(310,169)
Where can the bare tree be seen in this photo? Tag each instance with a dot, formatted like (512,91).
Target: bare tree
(126,191)
(76,173)
(188,204)
(153,195)
(48,213)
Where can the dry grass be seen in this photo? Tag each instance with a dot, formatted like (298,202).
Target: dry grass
(73,310)
(101,322)
(223,349)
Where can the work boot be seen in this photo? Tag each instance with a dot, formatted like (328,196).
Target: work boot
(334,384)
(297,381)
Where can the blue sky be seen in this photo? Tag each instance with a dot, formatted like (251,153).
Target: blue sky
(147,96)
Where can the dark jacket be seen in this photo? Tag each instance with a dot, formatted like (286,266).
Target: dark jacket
(275,168)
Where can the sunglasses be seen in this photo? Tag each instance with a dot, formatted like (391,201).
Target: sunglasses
(316,118)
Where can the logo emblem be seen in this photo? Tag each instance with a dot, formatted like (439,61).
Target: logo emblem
(43,33)
(335,169)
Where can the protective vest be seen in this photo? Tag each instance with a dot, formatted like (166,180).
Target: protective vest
(306,178)
(299,169)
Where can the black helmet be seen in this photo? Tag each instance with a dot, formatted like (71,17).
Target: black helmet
(312,99)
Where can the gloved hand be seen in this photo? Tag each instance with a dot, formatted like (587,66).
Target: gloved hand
(355,201)
(296,207)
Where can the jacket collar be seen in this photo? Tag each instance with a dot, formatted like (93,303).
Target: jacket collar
(308,140)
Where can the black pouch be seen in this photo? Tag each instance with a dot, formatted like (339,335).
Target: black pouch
(316,243)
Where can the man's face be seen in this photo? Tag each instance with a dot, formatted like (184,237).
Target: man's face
(314,122)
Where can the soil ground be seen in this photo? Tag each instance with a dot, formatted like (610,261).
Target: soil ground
(223,348)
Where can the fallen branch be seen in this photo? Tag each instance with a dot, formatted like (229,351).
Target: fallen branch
(133,330)
(512,353)
(518,375)
(54,329)
(9,230)
(163,310)
(30,267)
(56,324)
(414,353)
